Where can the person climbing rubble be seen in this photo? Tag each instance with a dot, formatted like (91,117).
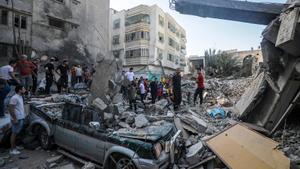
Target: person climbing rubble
(200,87)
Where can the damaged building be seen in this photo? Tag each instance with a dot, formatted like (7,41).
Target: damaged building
(72,29)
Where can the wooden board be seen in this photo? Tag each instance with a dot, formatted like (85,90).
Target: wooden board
(241,148)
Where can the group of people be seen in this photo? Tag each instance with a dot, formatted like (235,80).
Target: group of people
(168,87)
(78,74)
(26,84)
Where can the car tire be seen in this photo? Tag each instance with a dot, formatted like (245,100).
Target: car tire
(44,139)
(125,163)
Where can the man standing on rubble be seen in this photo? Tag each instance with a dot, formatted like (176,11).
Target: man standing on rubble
(130,75)
(153,90)
(7,73)
(49,68)
(176,80)
(63,70)
(200,87)
(26,68)
(17,113)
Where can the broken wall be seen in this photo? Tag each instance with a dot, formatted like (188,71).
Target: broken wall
(83,36)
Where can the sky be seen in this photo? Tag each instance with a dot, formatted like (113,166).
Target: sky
(205,33)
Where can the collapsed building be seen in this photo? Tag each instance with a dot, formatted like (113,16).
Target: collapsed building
(275,92)
(71,29)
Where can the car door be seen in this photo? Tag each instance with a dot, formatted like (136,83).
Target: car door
(90,142)
(66,129)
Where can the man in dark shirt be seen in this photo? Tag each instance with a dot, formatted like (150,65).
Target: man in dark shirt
(49,69)
(177,89)
(63,70)
(153,88)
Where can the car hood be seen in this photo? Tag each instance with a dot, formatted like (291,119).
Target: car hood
(151,133)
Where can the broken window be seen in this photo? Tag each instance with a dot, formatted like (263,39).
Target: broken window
(116,40)
(4,17)
(161,20)
(17,21)
(56,23)
(117,24)
(23,22)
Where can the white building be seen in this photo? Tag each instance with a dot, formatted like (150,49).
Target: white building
(145,35)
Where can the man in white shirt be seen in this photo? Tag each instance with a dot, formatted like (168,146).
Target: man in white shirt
(130,75)
(78,72)
(142,91)
(7,73)
(17,113)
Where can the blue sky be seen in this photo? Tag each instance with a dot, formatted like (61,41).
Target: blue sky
(205,33)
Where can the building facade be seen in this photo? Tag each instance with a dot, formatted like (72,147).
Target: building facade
(77,30)
(148,39)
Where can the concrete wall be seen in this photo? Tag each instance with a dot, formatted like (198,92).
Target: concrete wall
(85,36)
(21,8)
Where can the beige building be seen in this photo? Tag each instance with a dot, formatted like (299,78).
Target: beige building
(145,37)
(241,55)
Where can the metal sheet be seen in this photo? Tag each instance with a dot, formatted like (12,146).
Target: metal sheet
(241,148)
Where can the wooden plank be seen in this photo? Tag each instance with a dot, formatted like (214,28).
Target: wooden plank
(241,148)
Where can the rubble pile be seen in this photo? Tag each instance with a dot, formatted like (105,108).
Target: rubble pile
(289,139)
(229,89)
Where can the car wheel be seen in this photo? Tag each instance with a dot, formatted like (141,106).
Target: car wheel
(125,163)
(44,139)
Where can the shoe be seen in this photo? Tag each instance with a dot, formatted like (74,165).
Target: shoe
(14,152)
(19,148)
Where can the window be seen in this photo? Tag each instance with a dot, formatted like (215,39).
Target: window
(56,23)
(116,53)
(134,36)
(141,18)
(60,1)
(170,57)
(3,50)
(171,42)
(159,54)
(23,22)
(160,37)
(172,28)
(135,53)
(116,24)
(4,17)
(161,20)
(76,2)
(17,21)
(116,40)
